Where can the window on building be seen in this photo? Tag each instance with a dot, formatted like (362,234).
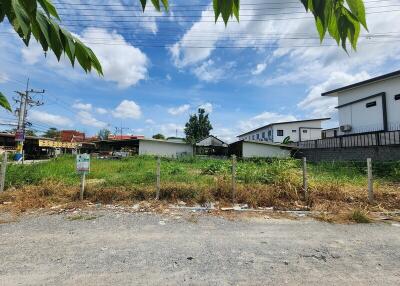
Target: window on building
(263,135)
(305,131)
(294,131)
(397,97)
(258,136)
(370,104)
(279,132)
(254,137)
(269,133)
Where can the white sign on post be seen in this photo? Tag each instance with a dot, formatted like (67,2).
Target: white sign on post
(82,167)
(83,163)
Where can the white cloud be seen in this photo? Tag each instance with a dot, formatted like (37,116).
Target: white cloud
(179,110)
(86,118)
(150,121)
(101,110)
(33,53)
(208,107)
(82,106)
(264,119)
(259,69)
(168,77)
(325,106)
(127,109)
(209,72)
(49,119)
(225,134)
(122,63)
(3,77)
(170,129)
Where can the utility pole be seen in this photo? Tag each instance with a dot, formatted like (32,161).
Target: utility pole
(120,130)
(24,101)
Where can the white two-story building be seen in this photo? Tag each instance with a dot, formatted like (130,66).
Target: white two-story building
(371,105)
(301,130)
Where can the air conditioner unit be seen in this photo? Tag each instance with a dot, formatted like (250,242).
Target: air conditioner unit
(346,128)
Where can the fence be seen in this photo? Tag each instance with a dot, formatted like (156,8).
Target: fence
(387,138)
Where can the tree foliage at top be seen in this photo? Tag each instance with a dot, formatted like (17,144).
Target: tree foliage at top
(52,133)
(39,18)
(103,134)
(159,136)
(198,127)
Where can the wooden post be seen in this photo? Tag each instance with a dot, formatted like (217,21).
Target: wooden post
(305,182)
(370,182)
(3,172)
(158,178)
(82,185)
(234,179)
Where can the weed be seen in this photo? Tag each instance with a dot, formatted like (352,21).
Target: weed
(359,216)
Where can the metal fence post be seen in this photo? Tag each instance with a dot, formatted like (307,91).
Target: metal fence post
(370,181)
(305,182)
(3,172)
(158,178)
(82,185)
(234,179)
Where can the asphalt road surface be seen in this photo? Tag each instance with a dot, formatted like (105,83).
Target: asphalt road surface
(115,248)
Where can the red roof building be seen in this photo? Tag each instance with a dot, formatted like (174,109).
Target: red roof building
(72,136)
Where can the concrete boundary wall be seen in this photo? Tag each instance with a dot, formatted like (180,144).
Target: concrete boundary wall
(376,153)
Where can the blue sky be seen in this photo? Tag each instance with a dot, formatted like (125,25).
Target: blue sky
(159,68)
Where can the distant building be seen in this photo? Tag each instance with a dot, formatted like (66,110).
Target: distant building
(71,136)
(211,145)
(330,133)
(371,105)
(176,139)
(142,146)
(296,131)
(124,137)
(259,149)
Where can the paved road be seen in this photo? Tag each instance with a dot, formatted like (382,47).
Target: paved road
(147,249)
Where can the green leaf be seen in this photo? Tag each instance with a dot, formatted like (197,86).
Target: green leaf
(43,26)
(226,10)
(358,9)
(22,18)
(166,5)
(156,4)
(217,9)
(68,44)
(143,2)
(236,8)
(55,40)
(2,13)
(4,102)
(49,8)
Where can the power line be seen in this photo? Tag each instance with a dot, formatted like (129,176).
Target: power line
(196,5)
(167,15)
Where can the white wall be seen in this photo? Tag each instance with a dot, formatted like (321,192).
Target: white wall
(364,119)
(251,150)
(164,149)
(310,130)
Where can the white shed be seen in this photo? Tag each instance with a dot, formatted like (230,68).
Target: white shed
(260,149)
(164,148)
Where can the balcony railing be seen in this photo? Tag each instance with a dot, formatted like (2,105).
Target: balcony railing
(354,140)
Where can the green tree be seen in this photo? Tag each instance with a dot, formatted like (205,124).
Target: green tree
(198,126)
(159,136)
(52,133)
(342,19)
(103,134)
(30,132)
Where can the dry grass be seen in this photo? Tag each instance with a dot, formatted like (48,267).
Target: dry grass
(287,194)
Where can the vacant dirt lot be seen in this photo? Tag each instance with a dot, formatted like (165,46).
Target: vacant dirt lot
(107,247)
